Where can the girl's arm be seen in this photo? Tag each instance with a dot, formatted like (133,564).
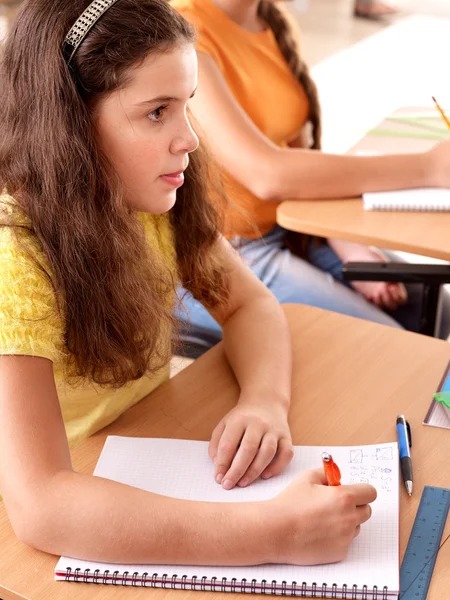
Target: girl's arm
(274,173)
(254,438)
(59,511)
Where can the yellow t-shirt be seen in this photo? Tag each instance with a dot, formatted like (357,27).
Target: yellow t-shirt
(262,83)
(31,325)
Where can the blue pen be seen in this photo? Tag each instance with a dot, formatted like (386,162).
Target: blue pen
(404,442)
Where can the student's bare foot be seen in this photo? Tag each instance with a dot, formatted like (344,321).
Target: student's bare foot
(373,10)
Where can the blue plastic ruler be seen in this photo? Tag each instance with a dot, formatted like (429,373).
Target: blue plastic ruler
(424,542)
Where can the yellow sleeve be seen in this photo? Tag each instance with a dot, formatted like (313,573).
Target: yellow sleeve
(29,319)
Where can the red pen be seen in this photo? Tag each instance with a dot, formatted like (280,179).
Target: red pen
(331,469)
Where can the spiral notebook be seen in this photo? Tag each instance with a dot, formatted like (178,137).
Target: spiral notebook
(415,200)
(182,469)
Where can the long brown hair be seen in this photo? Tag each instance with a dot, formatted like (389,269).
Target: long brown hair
(113,286)
(278,23)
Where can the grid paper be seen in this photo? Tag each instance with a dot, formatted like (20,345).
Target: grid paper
(182,469)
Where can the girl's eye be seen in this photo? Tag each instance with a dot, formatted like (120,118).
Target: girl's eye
(157,114)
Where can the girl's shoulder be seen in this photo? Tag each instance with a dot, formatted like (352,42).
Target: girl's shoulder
(30,321)
(19,244)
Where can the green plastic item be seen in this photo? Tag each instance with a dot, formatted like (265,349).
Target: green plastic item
(417,123)
(443,398)
(407,134)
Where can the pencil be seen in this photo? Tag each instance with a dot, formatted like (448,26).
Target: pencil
(441,111)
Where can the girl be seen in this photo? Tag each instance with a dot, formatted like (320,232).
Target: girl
(104,211)
(259,108)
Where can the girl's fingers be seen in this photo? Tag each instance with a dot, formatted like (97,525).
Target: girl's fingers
(215,439)
(388,295)
(398,292)
(285,453)
(386,299)
(249,448)
(363,513)
(377,300)
(227,448)
(376,297)
(266,452)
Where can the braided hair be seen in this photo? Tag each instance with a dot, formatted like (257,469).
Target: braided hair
(278,23)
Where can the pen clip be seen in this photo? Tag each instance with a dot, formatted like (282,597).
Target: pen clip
(408,429)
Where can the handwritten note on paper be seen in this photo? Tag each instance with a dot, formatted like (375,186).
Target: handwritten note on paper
(373,465)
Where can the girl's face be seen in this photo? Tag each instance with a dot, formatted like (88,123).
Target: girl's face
(144,130)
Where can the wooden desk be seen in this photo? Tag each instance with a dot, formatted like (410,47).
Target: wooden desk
(419,233)
(351,378)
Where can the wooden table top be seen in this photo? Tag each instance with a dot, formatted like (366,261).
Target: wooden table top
(351,379)
(419,233)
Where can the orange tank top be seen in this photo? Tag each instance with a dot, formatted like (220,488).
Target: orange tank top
(262,83)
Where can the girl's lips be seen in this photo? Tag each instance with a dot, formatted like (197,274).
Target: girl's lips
(174,179)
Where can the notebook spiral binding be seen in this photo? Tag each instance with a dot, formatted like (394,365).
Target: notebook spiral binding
(384,206)
(203,584)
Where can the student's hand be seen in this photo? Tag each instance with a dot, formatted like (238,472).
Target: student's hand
(385,295)
(314,523)
(253,439)
(438,164)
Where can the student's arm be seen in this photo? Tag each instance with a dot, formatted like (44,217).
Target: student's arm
(60,511)
(258,346)
(274,173)
(382,294)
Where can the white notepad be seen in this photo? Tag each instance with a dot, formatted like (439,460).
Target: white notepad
(422,200)
(182,469)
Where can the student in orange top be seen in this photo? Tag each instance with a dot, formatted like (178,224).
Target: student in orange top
(259,110)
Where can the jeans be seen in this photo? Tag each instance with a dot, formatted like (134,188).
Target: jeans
(316,282)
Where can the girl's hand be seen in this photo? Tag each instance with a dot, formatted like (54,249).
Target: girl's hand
(385,295)
(314,523)
(253,439)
